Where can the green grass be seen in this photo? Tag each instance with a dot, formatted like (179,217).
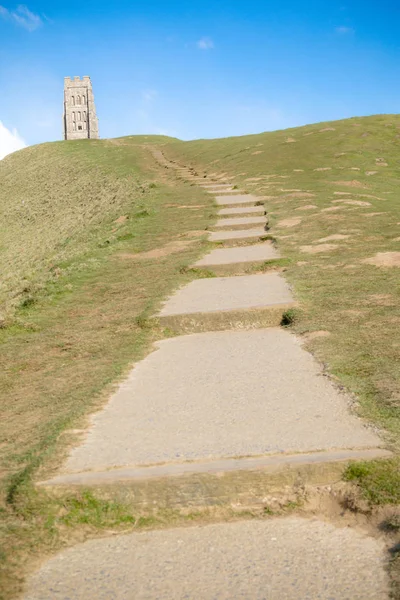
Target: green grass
(378,481)
(81,299)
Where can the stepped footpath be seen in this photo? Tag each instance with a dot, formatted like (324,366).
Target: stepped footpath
(226,413)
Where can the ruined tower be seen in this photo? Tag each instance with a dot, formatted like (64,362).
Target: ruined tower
(80,120)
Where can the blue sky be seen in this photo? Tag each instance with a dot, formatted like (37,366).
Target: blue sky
(193,69)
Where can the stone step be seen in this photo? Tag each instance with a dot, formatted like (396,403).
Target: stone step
(230,191)
(242,210)
(239,199)
(248,469)
(218,186)
(237,235)
(290,558)
(242,254)
(227,302)
(221,395)
(240,223)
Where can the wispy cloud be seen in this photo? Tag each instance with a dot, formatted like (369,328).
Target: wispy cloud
(10,141)
(343,30)
(205,43)
(21,16)
(149,95)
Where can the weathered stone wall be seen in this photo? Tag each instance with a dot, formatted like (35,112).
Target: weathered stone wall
(80,120)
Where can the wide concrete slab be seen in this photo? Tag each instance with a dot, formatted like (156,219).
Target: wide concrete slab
(275,559)
(228,293)
(227,394)
(240,222)
(241,254)
(242,210)
(237,199)
(217,186)
(237,234)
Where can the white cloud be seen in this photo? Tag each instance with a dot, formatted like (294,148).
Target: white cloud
(10,141)
(205,43)
(344,30)
(21,16)
(149,95)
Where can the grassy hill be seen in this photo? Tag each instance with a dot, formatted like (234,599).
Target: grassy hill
(333,195)
(57,202)
(93,237)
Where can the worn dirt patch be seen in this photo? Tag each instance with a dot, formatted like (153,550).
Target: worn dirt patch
(307,207)
(331,209)
(342,194)
(298,170)
(353,202)
(290,222)
(327,129)
(257,152)
(333,237)
(290,141)
(167,250)
(373,214)
(300,195)
(335,218)
(192,206)
(382,299)
(194,234)
(121,219)
(353,313)
(369,173)
(323,169)
(353,183)
(384,259)
(254,179)
(313,335)
(318,248)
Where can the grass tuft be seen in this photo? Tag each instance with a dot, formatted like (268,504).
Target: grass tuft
(379,481)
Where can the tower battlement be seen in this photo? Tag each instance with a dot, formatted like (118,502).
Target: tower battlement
(80,120)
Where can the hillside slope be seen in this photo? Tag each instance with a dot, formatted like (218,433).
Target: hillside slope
(333,197)
(57,201)
(92,238)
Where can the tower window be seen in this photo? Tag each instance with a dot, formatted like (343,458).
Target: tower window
(78,99)
(80,127)
(78,116)
(83,99)
(84,115)
(74,116)
(73,100)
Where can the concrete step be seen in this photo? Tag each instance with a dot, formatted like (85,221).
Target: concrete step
(240,223)
(238,235)
(218,186)
(238,199)
(220,395)
(239,255)
(311,468)
(242,210)
(220,303)
(290,558)
(217,191)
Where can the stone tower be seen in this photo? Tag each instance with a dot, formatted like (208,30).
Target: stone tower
(80,120)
